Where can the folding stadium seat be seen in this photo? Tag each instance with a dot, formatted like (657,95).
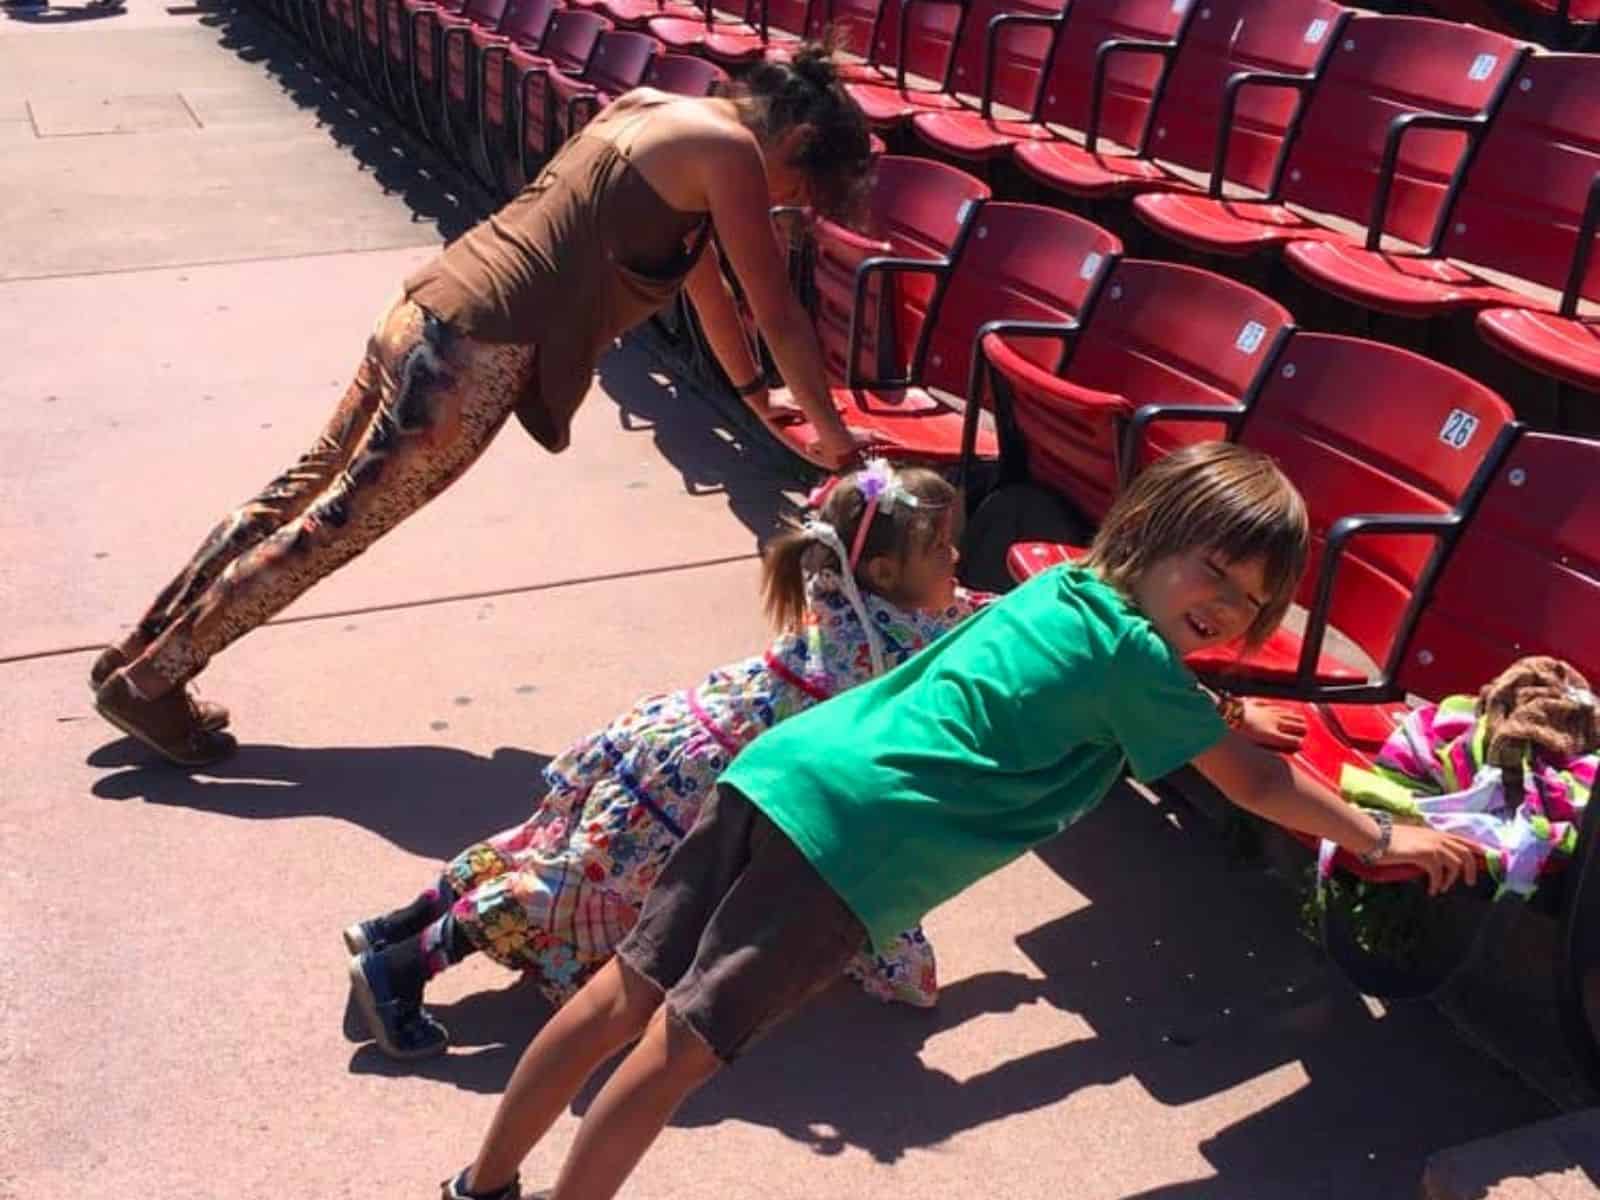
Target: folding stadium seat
(460,39)
(1224,40)
(636,14)
(1023,263)
(1564,347)
(525,25)
(867,34)
(1386,127)
(567,48)
(1158,331)
(685,31)
(775,25)
(619,64)
(1522,578)
(917,211)
(685,75)
(961,43)
(1126,80)
(429,24)
(1519,211)
(1326,413)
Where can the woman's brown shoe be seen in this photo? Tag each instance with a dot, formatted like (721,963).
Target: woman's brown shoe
(213,716)
(168,724)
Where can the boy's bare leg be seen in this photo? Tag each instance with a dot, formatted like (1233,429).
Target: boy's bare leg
(604,1016)
(637,1101)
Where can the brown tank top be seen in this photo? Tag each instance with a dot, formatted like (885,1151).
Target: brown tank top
(585,252)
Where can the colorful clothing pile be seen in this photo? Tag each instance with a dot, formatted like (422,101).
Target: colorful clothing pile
(556,894)
(1433,770)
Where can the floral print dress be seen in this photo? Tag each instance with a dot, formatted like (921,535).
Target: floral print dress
(555,894)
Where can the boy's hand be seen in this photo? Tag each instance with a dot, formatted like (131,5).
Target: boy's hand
(1443,857)
(1273,726)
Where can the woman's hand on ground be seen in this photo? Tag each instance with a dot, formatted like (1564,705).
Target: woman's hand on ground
(1443,857)
(1273,726)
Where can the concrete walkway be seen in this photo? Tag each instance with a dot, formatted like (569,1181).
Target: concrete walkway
(197,231)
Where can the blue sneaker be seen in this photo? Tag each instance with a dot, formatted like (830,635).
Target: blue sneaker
(366,935)
(401,1027)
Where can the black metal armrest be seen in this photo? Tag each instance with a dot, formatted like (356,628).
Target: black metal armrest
(883,265)
(998,26)
(1440,526)
(1102,59)
(905,32)
(1398,128)
(1064,331)
(1147,415)
(1587,228)
(1230,101)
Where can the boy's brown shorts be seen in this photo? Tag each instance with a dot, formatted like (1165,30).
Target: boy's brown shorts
(739,929)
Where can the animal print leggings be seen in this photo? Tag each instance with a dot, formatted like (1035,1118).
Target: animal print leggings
(424,404)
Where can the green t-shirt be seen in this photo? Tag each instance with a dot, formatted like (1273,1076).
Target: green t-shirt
(905,790)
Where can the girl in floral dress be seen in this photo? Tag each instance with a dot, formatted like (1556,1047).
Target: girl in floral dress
(860,587)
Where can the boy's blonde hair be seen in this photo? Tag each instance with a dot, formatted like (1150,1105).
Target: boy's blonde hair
(1216,496)
(895,531)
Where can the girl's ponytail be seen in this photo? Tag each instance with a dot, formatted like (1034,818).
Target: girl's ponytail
(783,578)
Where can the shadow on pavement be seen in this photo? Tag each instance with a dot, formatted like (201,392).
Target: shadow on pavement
(404,166)
(429,800)
(687,434)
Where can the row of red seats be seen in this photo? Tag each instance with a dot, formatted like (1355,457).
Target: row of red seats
(1375,153)
(966,328)
(498,84)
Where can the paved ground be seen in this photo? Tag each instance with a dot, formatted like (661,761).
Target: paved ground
(195,235)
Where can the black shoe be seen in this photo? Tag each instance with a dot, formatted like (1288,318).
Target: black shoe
(402,1027)
(28,4)
(455,1188)
(366,935)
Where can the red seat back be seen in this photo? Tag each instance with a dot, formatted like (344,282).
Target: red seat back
(527,21)
(572,38)
(620,61)
(1224,38)
(1020,53)
(1524,577)
(853,23)
(570,42)
(916,208)
(1383,67)
(1157,333)
(1362,427)
(1017,262)
(786,16)
(1131,79)
(1524,195)
(930,37)
(685,75)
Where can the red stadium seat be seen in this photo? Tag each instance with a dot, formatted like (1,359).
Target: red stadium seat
(525,25)
(776,24)
(1015,263)
(1224,39)
(567,48)
(685,75)
(618,64)
(1518,213)
(917,210)
(1158,333)
(1011,38)
(1523,578)
(1379,142)
(1127,79)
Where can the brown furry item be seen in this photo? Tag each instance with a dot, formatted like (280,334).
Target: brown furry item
(1540,706)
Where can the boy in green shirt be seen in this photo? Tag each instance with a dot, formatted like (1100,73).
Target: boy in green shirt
(848,822)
